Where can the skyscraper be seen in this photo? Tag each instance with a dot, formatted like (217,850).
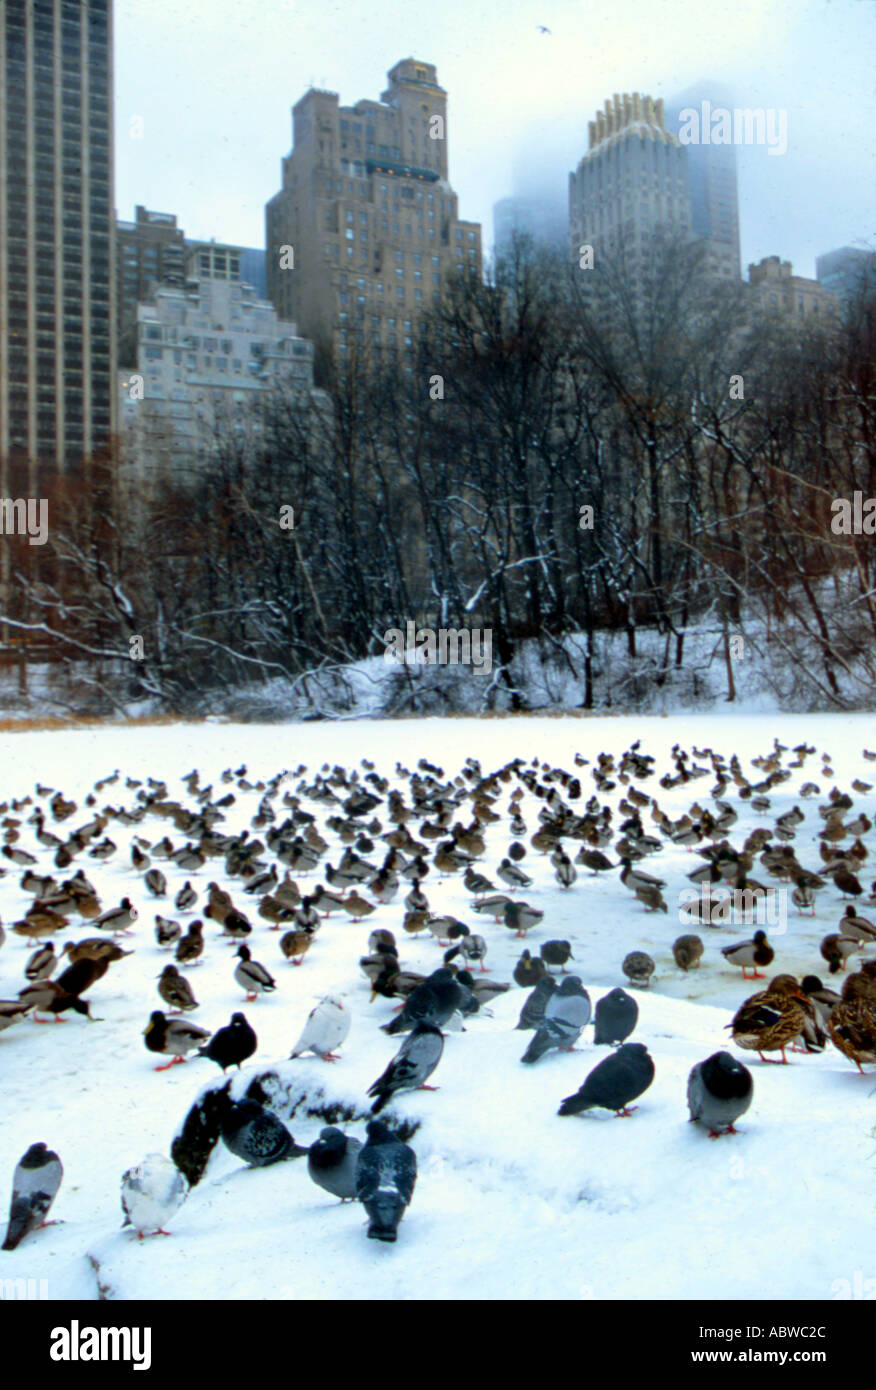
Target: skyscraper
(368,214)
(546,222)
(846,271)
(712,183)
(57,232)
(631,185)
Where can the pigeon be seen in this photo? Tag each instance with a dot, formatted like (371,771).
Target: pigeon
(719,1090)
(535,1003)
(34,1188)
(326,1028)
(331,1162)
(619,1078)
(434,1001)
(617,1014)
(566,1014)
(151,1192)
(411,1067)
(257,1135)
(231,1045)
(386,1171)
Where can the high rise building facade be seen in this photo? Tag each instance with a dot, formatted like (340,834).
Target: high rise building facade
(712,181)
(545,222)
(369,215)
(57,234)
(846,271)
(150,251)
(630,187)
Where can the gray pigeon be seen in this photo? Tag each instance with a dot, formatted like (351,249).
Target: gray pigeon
(331,1162)
(719,1090)
(535,1003)
(35,1186)
(386,1172)
(619,1078)
(566,1015)
(616,1015)
(257,1135)
(434,1001)
(411,1067)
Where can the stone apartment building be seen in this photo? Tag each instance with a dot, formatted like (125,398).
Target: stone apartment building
(204,351)
(369,214)
(774,288)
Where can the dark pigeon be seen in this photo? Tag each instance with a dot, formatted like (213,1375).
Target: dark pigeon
(535,1003)
(566,1014)
(332,1161)
(386,1172)
(619,1078)
(719,1090)
(231,1045)
(617,1014)
(257,1135)
(434,1001)
(411,1067)
(34,1188)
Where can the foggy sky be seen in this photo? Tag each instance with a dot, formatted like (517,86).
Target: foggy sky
(213,82)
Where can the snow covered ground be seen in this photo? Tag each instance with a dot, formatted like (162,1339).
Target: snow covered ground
(512,1201)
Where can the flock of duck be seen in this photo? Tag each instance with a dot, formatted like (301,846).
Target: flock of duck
(405,839)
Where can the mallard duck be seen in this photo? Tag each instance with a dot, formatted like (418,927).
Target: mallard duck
(493,905)
(236,925)
(836,949)
(852,1022)
(529,970)
(688,952)
(511,875)
(39,922)
(190,947)
(750,954)
(556,953)
(520,917)
(219,904)
(638,968)
(252,977)
(42,963)
(825,1000)
(857,927)
(175,990)
(186,898)
(771,1019)
(94,948)
(295,944)
(118,920)
(156,883)
(167,932)
(172,1036)
(651,898)
(47,996)
(564,870)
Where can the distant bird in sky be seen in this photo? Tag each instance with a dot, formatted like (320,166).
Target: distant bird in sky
(543,29)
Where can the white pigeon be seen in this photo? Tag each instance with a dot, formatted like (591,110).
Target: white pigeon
(326,1028)
(151,1192)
